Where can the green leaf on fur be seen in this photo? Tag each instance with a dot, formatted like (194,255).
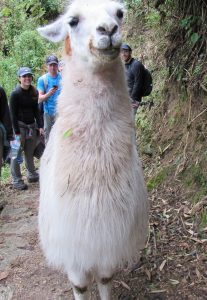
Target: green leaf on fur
(67,133)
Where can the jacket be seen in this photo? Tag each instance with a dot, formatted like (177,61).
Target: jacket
(24,107)
(134,75)
(5,115)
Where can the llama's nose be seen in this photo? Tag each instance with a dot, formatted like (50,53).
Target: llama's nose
(106,31)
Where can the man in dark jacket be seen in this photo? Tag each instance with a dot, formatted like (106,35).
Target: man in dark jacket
(6,132)
(134,75)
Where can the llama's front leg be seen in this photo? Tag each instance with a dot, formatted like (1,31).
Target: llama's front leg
(80,283)
(104,281)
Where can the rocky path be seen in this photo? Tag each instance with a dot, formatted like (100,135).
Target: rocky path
(173,266)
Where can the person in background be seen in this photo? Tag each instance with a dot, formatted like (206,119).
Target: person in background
(26,125)
(61,66)
(134,75)
(49,86)
(6,132)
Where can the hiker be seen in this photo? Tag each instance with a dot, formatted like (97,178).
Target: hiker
(26,125)
(48,86)
(134,75)
(61,66)
(6,132)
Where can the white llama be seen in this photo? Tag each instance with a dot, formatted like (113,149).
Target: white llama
(93,213)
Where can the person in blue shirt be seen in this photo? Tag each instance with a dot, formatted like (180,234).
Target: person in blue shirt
(49,86)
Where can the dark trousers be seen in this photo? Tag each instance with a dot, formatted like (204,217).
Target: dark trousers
(1,149)
(28,146)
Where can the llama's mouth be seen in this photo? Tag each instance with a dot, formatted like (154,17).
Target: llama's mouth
(108,53)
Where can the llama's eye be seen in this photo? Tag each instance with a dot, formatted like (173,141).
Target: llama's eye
(74,21)
(119,13)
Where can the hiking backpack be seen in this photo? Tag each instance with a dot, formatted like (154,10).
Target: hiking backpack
(147,83)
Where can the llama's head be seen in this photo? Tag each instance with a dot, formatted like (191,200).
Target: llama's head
(92,30)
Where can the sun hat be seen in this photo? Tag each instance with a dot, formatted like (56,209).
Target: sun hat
(24,71)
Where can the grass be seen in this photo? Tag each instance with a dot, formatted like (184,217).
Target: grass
(5,174)
(195,178)
(158,179)
(203,219)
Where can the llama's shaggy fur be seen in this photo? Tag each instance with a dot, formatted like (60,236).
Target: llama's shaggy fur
(93,213)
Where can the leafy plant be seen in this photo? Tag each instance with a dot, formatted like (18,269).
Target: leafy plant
(158,179)
(5,174)
(20,43)
(153,19)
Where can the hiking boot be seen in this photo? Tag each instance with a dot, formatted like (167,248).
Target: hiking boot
(20,186)
(33,179)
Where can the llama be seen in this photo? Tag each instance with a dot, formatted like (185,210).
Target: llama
(93,211)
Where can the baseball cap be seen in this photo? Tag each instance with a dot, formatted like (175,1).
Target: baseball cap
(23,71)
(126,47)
(52,59)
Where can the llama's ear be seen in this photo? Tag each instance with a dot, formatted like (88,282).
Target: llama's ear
(54,32)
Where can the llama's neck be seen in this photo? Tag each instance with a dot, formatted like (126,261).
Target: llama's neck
(95,93)
(76,73)
(92,101)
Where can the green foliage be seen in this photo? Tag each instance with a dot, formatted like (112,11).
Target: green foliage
(52,8)
(135,8)
(8,70)
(195,178)
(153,19)
(18,16)
(142,120)
(203,220)
(188,24)
(5,174)
(133,3)
(188,41)
(145,126)
(204,82)
(184,24)
(158,179)
(20,44)
(194,37)
(29,49)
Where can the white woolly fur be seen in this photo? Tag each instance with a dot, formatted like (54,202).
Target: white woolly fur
(93,211)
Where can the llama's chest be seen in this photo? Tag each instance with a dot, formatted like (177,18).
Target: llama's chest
(93,156)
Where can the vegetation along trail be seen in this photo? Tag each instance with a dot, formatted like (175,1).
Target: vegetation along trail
(170,39)
(173,265)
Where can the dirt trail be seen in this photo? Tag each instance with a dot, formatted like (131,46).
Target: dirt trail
(21,261)
(174,265)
